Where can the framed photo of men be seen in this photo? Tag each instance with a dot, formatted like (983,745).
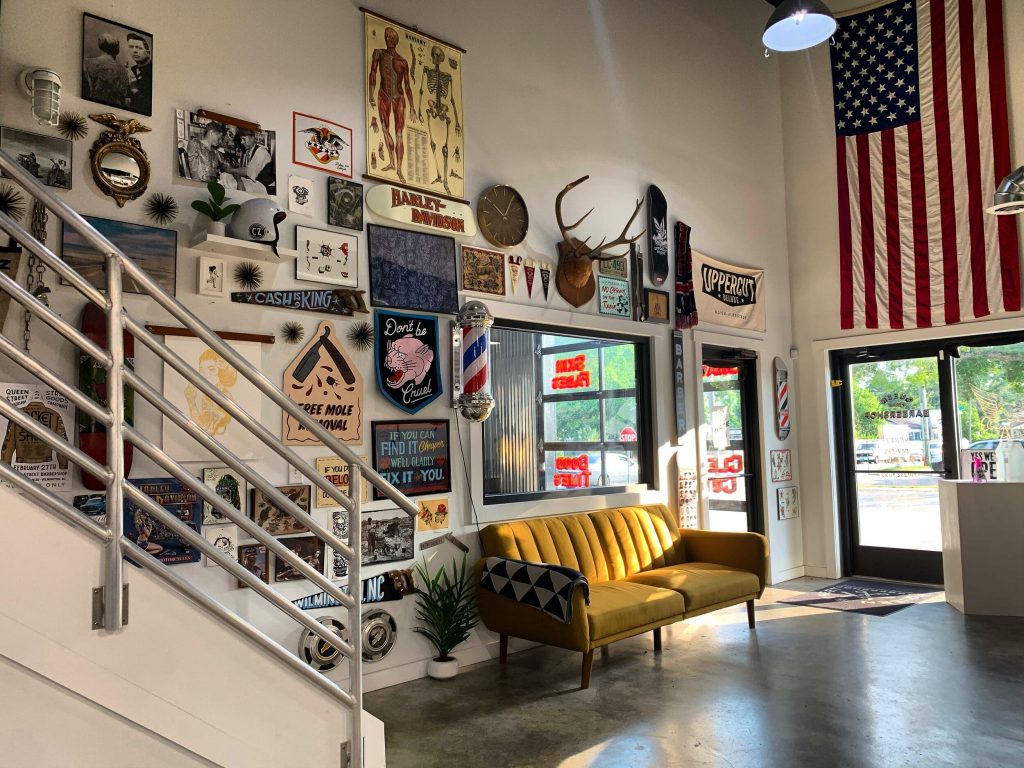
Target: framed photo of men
(117,65)
(414,117)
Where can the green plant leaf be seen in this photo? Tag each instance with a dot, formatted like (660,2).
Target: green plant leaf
(446,606)
(204,208)
(229,209)
(216,192)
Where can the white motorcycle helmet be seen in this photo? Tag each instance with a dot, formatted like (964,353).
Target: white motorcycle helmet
(256,220)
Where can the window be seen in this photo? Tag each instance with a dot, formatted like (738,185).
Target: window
(570,414)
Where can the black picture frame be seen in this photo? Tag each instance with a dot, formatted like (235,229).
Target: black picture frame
(30,150)
(412,270)
(402,473)
(344,203)
(665,303)
(111,74)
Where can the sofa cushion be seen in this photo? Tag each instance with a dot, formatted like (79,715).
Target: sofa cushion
(619,606)
(701,584)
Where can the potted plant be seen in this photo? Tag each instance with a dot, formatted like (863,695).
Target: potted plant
(213,210)
(446,606)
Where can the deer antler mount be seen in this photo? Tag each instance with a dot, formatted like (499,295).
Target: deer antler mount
(575,275)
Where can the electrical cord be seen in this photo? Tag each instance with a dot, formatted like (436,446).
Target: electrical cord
(469,482)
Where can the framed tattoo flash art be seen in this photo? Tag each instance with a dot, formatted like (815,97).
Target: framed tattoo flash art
(321,144)
(413,109)
(274,520)
(781,465)
(412,456)
(326,257)
(344,203)
(412,270)
(483,270)
(231,487)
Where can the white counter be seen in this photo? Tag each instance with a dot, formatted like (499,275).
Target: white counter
(983,546)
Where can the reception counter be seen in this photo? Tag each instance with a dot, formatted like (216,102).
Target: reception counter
(983,546)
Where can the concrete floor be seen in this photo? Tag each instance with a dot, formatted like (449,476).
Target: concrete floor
(923,687)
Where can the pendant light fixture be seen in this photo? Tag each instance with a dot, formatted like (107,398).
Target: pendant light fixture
(1009,197)
(796,25)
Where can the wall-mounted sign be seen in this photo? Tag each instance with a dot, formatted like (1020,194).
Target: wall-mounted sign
(571,373)
(152,535)
(679,382)
(382,588)
(412,456)
(421,210)
(408,359)
(613,297)
(729,295)
(22,449)
(323,380)
(572,471)
(340,301)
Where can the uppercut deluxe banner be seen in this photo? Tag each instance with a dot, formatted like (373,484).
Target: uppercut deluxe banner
(728,295)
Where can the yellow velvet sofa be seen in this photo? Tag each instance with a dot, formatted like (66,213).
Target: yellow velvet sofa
(643,571)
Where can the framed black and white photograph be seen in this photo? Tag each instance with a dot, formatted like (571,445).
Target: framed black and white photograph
(254,558)
(309,548)
(210,277)
(344,203)
(326,257)
(117,65)
(48,158)
(239,158)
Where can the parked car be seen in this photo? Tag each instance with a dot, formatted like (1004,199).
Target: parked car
(867,452)
(984,445)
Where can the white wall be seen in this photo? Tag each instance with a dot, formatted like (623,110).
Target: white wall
(811,206)
(678,95)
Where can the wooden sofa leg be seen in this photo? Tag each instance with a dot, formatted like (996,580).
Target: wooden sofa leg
(588,664)
(657,639)
(750,613)
(503,649)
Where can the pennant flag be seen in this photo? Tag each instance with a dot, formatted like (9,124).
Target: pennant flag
(514,264)
(922,139)
(530,271)
(545,278)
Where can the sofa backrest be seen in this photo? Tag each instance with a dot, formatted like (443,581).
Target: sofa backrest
(606,544)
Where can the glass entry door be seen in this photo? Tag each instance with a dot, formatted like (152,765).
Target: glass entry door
(898,436)
(731,441)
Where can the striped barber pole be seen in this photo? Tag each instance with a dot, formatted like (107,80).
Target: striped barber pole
(474,360)
(781,399)
(922,140)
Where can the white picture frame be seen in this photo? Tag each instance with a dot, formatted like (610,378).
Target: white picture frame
(210,277)
(326,257)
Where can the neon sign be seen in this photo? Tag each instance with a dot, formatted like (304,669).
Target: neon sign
(573,373)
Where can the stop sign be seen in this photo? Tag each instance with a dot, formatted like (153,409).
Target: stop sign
(627,435)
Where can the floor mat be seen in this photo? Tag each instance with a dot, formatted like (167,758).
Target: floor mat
(877,598)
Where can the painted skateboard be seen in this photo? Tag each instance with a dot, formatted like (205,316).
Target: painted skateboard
(657,234)
(92,380)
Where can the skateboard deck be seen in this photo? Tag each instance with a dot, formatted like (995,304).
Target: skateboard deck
(657,234)
(92,380)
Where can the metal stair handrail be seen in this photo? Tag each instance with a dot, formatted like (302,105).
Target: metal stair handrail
(116,545)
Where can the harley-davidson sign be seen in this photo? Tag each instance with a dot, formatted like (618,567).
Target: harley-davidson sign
(729,295)
(421,210)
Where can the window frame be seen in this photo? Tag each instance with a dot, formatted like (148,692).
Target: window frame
(644,399)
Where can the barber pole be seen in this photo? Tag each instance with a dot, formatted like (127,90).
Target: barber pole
(471,386)
(781,399)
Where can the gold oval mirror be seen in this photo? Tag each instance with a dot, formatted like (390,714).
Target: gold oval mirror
(120,166)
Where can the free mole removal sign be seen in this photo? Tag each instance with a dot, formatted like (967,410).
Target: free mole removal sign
(412,456)
(729,295)
(408,359)
(325,383)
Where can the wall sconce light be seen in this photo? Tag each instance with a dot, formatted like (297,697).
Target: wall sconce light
(471,361)
(796,25)
(1009,197)
(42,86)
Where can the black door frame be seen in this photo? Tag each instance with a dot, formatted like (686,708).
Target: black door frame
(746,360)
(887,562)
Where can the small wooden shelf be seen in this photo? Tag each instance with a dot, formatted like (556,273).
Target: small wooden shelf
(243,249)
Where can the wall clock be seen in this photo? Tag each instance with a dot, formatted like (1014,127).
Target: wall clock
(502,215)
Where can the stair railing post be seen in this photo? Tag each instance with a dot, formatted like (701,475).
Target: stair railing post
(355,628)
(114,563)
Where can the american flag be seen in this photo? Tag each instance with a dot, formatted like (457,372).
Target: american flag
(922,140)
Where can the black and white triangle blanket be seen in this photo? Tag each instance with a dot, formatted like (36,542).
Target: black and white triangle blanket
(542,586)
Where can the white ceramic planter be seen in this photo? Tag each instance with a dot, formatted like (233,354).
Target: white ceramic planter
(443,670)
(217,228)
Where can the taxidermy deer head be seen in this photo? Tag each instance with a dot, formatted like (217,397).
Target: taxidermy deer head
(575,276)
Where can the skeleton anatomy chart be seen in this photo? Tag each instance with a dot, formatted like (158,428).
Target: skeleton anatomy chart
(413,109)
